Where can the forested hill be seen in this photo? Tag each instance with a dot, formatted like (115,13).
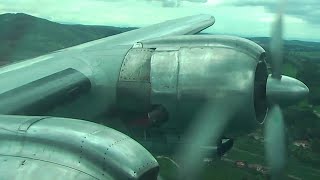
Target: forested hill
(24,36)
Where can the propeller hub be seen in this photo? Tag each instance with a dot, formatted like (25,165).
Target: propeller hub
(285,90)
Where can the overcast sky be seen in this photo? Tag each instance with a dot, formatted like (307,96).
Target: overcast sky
(238,17)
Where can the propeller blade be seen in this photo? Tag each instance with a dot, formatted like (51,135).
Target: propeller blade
(206,129)
(275,147)
(276,45)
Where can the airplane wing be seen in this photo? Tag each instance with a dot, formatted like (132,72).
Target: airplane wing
(58,148)
(86,76)
(182,26)
(95,65)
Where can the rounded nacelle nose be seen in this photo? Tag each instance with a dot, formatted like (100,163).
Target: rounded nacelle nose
(285,91)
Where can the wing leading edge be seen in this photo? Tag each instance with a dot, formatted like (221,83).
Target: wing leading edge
(182,26)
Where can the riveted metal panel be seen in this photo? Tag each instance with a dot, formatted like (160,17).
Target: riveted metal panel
(133,88)
(164,79)
(71,148)
(136,65)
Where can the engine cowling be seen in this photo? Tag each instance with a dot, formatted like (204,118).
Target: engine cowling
(182,73)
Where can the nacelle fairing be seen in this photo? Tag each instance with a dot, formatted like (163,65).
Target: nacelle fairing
(182,73)
(59,148)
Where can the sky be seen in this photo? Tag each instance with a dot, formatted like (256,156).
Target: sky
(233,17)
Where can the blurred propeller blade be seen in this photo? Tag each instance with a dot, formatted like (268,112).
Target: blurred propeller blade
(207,128)
(276,46)
(275,147)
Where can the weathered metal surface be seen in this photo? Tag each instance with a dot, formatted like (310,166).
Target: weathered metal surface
(136,65)
(37,97)
(71,149)
(173,42)
(189,71)
(26,124)
(215,74)
(134,96)
(22,167)
(164,79)
(100,66)
(133,89)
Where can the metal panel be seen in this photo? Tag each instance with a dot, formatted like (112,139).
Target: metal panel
(25,125)
(71,148)
(134,96)
(136,65)
(173,42)
(23,168)
(105,63)
(44,94)
(100,64)
(133,88)
(216,74)
(164,79)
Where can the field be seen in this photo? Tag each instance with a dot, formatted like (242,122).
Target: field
(248,150)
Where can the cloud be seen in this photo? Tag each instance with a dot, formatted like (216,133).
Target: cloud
(100,12)
(170,3)
(235,17)
(165,3)
(308,10)
(177,3)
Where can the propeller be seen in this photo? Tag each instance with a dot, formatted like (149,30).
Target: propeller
(276,45)
(204,131)
(281,90)
(275,142)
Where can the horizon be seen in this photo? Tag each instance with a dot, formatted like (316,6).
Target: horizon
(244,36)
(246,18)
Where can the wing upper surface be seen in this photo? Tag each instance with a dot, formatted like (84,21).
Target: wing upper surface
(182,26)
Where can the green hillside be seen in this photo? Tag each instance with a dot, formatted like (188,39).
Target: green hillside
(23,36)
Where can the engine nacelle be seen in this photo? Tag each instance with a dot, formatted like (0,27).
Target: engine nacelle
(182,73)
